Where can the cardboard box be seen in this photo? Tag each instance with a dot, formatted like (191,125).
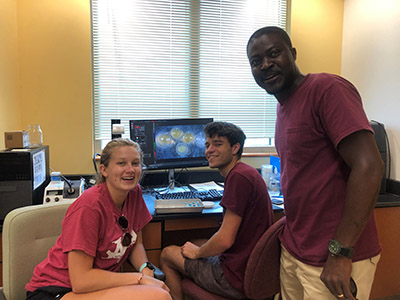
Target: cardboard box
(16,139)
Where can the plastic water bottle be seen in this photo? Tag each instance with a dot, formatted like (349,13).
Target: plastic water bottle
(274,186)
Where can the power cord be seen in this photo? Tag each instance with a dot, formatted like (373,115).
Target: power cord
(94,162)
(70,189)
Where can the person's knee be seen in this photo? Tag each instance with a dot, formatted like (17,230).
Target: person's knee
(162,294)
(171,259)
(168,254)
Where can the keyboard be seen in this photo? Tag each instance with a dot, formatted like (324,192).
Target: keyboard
(208,195)
(169,206)
(277,200)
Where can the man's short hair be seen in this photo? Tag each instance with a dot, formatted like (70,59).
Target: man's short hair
(270,30)
(224,129)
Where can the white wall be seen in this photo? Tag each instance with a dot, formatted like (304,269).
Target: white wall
(371,61)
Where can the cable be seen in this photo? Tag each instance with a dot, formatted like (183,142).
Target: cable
(70,189)
(94,162)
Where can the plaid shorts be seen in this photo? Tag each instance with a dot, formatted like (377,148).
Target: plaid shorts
(208,273)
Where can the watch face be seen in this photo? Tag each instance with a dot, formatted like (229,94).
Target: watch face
(334,247)
(150,266)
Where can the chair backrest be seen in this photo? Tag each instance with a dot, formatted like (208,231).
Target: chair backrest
(261,279)
(28,234)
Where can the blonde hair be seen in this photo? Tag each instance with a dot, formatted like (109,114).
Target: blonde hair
(109,150)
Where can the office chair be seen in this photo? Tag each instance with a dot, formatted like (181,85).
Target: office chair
(28,234)
(261,279)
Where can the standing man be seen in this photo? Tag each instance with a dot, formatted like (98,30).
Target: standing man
(331,172)
(219,264)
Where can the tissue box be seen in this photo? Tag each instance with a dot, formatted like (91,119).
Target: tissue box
(16,139)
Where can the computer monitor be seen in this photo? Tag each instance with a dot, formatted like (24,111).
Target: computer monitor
(171,143)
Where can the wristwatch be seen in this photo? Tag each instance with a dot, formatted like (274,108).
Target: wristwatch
(147,265)
(337,249)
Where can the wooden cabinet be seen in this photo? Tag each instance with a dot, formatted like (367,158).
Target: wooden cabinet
(159,234)
(152,241)
(387,276)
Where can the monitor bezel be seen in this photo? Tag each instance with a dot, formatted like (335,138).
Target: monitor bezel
(176,163)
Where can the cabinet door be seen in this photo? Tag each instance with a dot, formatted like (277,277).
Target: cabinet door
(152,236)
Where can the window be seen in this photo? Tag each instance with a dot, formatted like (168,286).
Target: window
(163,59)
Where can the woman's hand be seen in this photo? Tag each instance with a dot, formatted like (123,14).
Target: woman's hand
(149,280)
(148,272)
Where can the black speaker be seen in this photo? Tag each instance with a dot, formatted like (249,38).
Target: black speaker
(383,147)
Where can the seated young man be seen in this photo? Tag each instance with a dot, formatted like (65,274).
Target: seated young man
(219,264)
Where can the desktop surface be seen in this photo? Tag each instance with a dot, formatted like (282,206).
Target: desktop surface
(150,197)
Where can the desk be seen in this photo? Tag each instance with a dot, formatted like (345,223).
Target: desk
(176,229)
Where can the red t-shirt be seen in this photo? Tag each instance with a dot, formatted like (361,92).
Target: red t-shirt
(90,225)
(245,193)
(325,109)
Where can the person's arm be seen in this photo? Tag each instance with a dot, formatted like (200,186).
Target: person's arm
(138,256)
(360,153)
(84,278)
(222,240)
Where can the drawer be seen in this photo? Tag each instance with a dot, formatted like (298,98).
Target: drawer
(193,223)
(152,235)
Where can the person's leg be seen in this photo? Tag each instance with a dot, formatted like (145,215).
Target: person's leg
(172,263)
(300,281)
(363,274)
(313,288)
(134,292)
(208,274)
(291,287)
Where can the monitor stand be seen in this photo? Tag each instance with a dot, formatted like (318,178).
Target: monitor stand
(172,188)
(171,179)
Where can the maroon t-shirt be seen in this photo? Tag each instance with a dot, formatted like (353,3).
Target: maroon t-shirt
(325,109)
(245,193)
(90,226)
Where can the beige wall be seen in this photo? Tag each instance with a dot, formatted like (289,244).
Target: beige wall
(371,51)
(53,52)
(10,118)
(316,31)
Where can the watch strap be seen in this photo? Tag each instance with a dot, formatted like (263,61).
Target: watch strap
(346,252)
(339,250)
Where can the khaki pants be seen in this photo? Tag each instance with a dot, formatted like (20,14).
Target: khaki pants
(300,281)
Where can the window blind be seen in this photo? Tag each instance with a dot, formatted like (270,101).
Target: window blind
(163,59)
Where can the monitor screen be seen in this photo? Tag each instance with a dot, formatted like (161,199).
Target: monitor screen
(171,143)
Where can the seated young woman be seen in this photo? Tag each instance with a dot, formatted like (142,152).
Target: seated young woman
(100,230)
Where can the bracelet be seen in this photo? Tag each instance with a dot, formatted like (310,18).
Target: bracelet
(141,277)
(142,267)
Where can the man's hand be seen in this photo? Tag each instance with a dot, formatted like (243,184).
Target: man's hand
(336,276)
(190,250)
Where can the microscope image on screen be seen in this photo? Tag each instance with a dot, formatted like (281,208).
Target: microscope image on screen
(179,141)
(171,143)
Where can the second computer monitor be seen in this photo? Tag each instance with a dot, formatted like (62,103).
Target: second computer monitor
(171,143)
